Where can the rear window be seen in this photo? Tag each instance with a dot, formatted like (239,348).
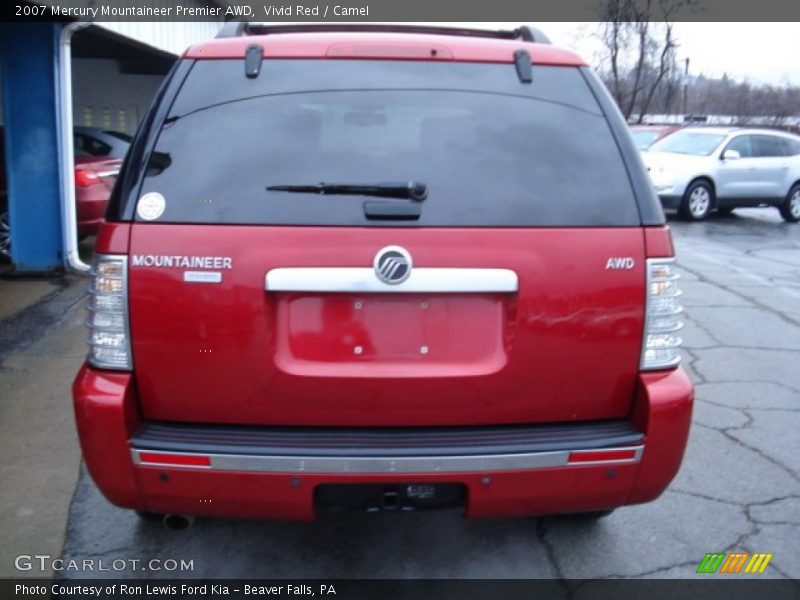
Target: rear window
(793,146)
(491,150)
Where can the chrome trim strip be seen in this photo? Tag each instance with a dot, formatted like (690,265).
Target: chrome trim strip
(364,280)
(384,464)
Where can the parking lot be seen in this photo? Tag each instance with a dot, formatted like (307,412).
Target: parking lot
(739,487)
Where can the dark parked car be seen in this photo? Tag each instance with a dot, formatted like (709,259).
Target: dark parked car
(389,268)
(98,157)
(94,180)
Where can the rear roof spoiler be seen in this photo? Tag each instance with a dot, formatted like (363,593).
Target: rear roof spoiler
(524,33)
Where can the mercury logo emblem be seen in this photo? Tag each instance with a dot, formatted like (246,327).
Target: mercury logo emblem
(392,265)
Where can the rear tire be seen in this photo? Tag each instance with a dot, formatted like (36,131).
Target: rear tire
(790,209)
(5,236)
(697,201)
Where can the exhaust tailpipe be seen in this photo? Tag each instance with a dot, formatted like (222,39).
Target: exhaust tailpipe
(178,522)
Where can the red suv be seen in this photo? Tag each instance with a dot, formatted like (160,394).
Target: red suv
(382,268)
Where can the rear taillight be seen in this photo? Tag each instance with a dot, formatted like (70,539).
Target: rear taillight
(86,177)
(661,347)
(109,335)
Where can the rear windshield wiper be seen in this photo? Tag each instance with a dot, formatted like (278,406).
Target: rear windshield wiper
(412,190)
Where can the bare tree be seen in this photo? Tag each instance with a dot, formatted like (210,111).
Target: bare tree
(746,102)
(666,63)
(616,39)
(639,47)
(638,63)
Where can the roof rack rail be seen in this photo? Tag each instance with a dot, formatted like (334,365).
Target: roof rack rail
(243,28)
(533,34)
(232,29)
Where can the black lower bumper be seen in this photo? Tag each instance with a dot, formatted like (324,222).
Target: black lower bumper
(382,441)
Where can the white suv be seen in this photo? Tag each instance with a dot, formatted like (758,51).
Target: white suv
(700,169)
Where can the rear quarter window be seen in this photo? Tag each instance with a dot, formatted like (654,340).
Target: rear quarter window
(767,146)
(792,146)
(492,151)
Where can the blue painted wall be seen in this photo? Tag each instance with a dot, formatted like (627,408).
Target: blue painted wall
(29,69)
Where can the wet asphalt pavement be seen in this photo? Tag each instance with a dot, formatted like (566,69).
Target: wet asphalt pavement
(738,489)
